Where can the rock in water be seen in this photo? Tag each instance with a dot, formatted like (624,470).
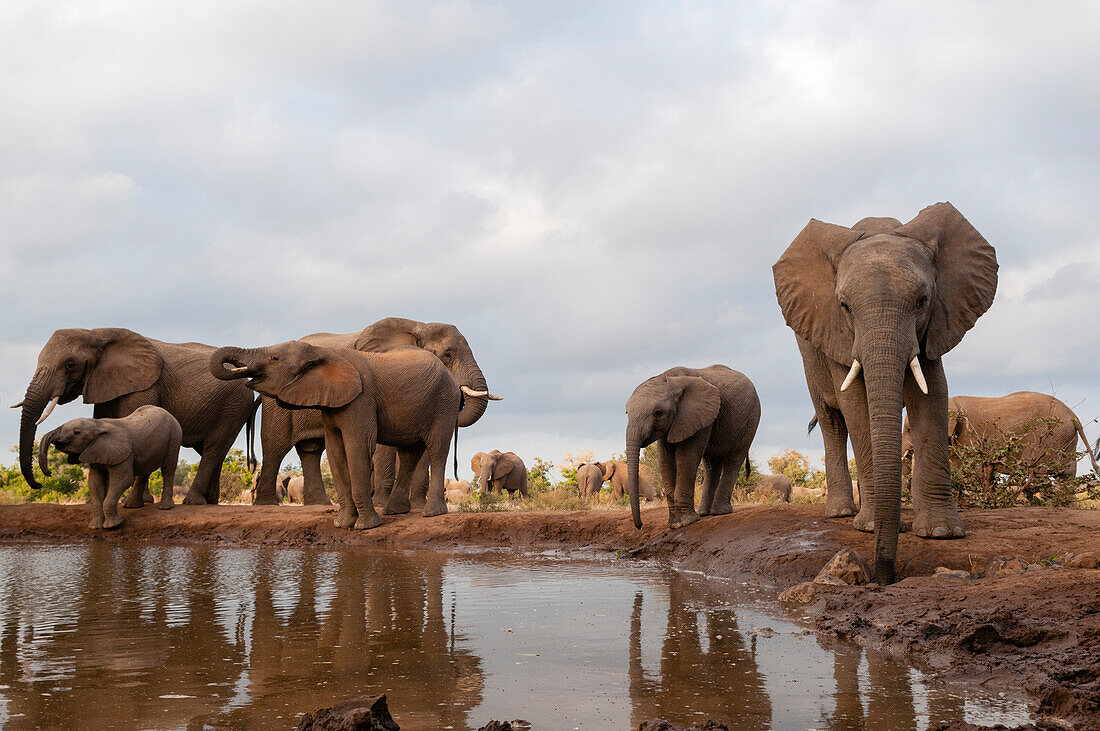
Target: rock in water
(660,724)
(844,568)
(365,713)
(516,725)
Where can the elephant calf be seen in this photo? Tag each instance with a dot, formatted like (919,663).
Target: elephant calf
(589,479)
(456,490)
(118,451)
(777,485)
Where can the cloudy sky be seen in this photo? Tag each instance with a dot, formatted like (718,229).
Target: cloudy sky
(592,192)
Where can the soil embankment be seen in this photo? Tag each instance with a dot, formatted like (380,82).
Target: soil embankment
(1035,629)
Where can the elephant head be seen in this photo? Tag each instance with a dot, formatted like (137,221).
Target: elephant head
(607,469)
(492,467)
(101,365)
(88,441)
(296,374)
(877,296)
(672,408)
(446,343)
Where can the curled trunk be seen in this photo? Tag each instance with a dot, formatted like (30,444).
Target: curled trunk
(43,452)
(38,395)
(632,449)
(472,406)
(884,376)
(235,357)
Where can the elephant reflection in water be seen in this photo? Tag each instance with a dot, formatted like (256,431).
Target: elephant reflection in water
(723,681)
(121,655)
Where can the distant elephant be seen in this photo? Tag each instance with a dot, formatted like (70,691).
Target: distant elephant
(694,414)
(889,301)
(280,487)
(405,398)
(119,453)
(777,485)
(456,490)
(616,473)
(1047,451)
(813,493)
(500,471)
(283,429)
(589,479)
(118,371)
(296,489)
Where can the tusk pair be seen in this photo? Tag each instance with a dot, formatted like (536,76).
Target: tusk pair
(918,374)
(479,394)
(856,368)
(49,410)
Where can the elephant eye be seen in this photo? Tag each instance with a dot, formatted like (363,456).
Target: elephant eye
(922,301)
(274,357)
(844,306)
(658,412)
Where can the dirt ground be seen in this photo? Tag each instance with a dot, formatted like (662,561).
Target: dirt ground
(1036,630)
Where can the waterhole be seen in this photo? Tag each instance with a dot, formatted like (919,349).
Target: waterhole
(106,636)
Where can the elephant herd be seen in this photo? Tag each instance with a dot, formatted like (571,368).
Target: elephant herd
(874,307)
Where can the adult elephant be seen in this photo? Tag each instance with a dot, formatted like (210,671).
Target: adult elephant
(874,308)
(616,473)
(589,479)
(500,472)
(778,486)
(118,371)
(282,429)
(974,420)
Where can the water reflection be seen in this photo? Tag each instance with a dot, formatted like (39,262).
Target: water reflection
(108,636)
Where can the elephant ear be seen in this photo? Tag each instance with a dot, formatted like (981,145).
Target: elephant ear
(606,470)
(966,274)
(502,467)
(110,447)
(330,381)
(388,334)
(475,463)
(805,285)
(699,402)
(128,363)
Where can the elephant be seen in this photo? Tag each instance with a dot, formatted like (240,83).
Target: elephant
(280,487)
(296,490)
(119,371)
(282,429)
(590,478)
(119,452)
(974,419)
(694,414)
(874,308)
(499,472)
(405,398)
(777,485)
(616,472)
(812,493)
(385,475)
(456,490)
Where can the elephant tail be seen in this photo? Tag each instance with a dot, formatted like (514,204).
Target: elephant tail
(250,436)
(748,469)
(456,451)
(812,424)
(1085,441)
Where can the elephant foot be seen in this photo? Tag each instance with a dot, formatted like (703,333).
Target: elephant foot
(166,504)
(96,523)
(839,508)
(938,523)
(865,520)
(265,501)
(318,500)
(345,518)
(681,519)
(112,521)
(720,510)
(148,497)
(396,507)
(132,505)
(433,509)
(367,521)
(194,498)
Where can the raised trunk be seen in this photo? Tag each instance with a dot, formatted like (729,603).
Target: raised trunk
(230,356)
(884,376)
(38,395)
(472,407)
(632,449)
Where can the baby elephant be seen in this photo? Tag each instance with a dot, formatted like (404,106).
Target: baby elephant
(589,479)
(778,486)
(118,452)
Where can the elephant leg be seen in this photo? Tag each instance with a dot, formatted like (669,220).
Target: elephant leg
(168,478)
(214,449)
(359,455)
(935,515)
(434,461)
(136,497)
(419,484)
(722,501)
(838,479)
(119,478)
(338,463)
(97,493)
(399,503)
(385,472)
(687,454)
(313,484)
(712,470)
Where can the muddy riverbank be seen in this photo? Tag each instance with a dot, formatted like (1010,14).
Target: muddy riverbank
(1036,630)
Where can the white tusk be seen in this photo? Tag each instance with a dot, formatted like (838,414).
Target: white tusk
(18,405)
(856,368)
(918,374)
(479,394)
(493,397)
(240,369)
(49,410)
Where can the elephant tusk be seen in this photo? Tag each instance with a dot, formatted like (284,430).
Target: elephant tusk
(239,369)
(49,410)
(856,368)
(493,397)
(918,374)
(19,405)
(479,394)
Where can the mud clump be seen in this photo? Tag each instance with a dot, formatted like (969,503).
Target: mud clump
(516,725)
(365,713)
(843,569)
(660,724)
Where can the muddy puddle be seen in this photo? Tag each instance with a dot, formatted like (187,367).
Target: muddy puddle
(108,636)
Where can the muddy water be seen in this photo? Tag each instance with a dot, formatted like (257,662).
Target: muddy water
(99,636)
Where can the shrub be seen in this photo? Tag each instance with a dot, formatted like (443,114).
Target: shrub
(538,476)
(796,466)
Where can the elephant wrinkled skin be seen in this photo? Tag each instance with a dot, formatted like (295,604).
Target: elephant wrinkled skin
(874,308)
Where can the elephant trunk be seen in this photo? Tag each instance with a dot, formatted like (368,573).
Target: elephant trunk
(240,362)
(884,377)
(43,452)
(472,406)
(633,446)
(39,393)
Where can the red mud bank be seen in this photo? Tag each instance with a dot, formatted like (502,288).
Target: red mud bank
(1038,629)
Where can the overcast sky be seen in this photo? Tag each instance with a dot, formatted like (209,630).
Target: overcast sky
(592,192)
